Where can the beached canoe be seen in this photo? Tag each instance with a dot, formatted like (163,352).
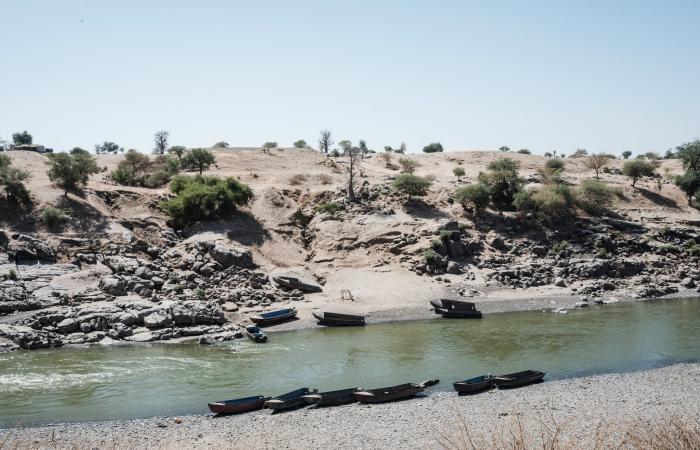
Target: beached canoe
(474,385)
(296,283)
(517,379)
(290,400)
(459,313)
(271,317)
(237,406)
(332,398)
(339,320)
(255,334)
(455,309)
(393,393)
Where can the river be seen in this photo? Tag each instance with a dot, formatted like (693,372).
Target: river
(128,381)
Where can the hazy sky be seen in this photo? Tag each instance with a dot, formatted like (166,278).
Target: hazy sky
(601,75)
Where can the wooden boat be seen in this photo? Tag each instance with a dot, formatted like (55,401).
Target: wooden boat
(459,313)
(255,334)
(393,393)
(239,405)
(296,283)
(517,379)
(271,317)
(473,385)
(294,399)
(339,320)
(332,398)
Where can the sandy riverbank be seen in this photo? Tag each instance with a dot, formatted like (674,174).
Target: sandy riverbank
(581,404)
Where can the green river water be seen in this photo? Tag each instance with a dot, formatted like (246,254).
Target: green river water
(119,381)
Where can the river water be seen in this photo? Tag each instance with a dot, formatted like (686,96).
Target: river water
(119,381)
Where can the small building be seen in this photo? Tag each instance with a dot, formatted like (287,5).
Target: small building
(31,148)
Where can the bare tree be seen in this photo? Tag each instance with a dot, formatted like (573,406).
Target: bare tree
(353,167)
(161,140)
(596,162)
(325,141)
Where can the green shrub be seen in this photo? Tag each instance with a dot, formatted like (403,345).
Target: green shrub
(157,179)
(561,247)
(474,196)
(204,197)
(329,207)
(458,172)
(555,201)
(11,275)
(411,184)
(429,255)
(198,159)
(52,217)
(524,151)
(523,201)
(689,183)
(595,197)
(503,180)
(435,147)
(555,164)
(200,293)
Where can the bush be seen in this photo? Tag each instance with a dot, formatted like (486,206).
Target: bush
(329,208)
(503,180)
(52,217)
(198,159)
(435,147)
(411,184)
(157,179)
(524,151)
(555,164)
(408,165)
(204,197)
(11,275)
(458,172)
(12,181)
(638,168)
(595,197)
(325,178)
(556,201)
(430,255)
(132,170)
(300,144)
(689,183)
(296,180)
(474,196)
(71,171)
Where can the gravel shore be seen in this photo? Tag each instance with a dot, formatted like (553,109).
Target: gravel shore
(580,404)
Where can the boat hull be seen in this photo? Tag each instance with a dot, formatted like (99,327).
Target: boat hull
(390,394)
(273,319)
(459,313)
(474,385)
(339,320)
(237,406)
(518,379)
(333,398)
(290,400)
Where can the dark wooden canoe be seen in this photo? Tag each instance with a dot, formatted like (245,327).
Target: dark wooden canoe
(393,393)
(290,400)
(459,313)
(271,317)
(332,398)
(255,334)
(239,405)
(296,283)
(444,303)
(518,379)
(473,385)
(339,320)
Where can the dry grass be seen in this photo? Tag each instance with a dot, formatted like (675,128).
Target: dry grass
(673,433)
(296,180)
(325,178)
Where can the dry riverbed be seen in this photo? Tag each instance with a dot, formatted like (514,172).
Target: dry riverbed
(581,406)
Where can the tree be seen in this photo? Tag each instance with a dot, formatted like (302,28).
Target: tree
(626,154)
(689,155)
(362,145)
(503,180)
(596,162)
(689,183)
(221,144)
(458,172)
(386,157)
(352,167)
(554,165)
(177,150)
(346,145)
(638,168)
(548,154)
(22,138)
(474,196)
(204,197)
(408,165)
(161,142)
(71,171)
(300,144)
(12,181)
(402,148)
(504,148)
(325,141)
(198,159)
(669,154)
(524,151)
(267,146)
(132,169)
(579,153)
(108,148)
(435,147)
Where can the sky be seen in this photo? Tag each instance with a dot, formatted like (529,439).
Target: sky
(606,76)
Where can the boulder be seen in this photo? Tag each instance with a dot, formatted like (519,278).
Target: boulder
(156,320)
(113,285)
(68,326)
(231,256)
(144,273)
(688,282)
(560,282)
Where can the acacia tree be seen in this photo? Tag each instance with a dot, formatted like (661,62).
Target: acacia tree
(12,181)
(300,144)
(108,148)
(637,169)
(71,171)
(325,141)
(352,167)
(161,142)
(177,150)
(626,154)
(267,146)
(198,159)
(596,162)
(22,138)
(408,165)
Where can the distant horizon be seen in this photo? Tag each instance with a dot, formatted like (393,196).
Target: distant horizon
(605,77)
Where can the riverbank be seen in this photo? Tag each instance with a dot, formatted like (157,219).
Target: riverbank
(580,405)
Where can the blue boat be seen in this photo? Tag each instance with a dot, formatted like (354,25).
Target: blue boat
(271,317)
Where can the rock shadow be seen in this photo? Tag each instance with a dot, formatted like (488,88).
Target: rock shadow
(657,198)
